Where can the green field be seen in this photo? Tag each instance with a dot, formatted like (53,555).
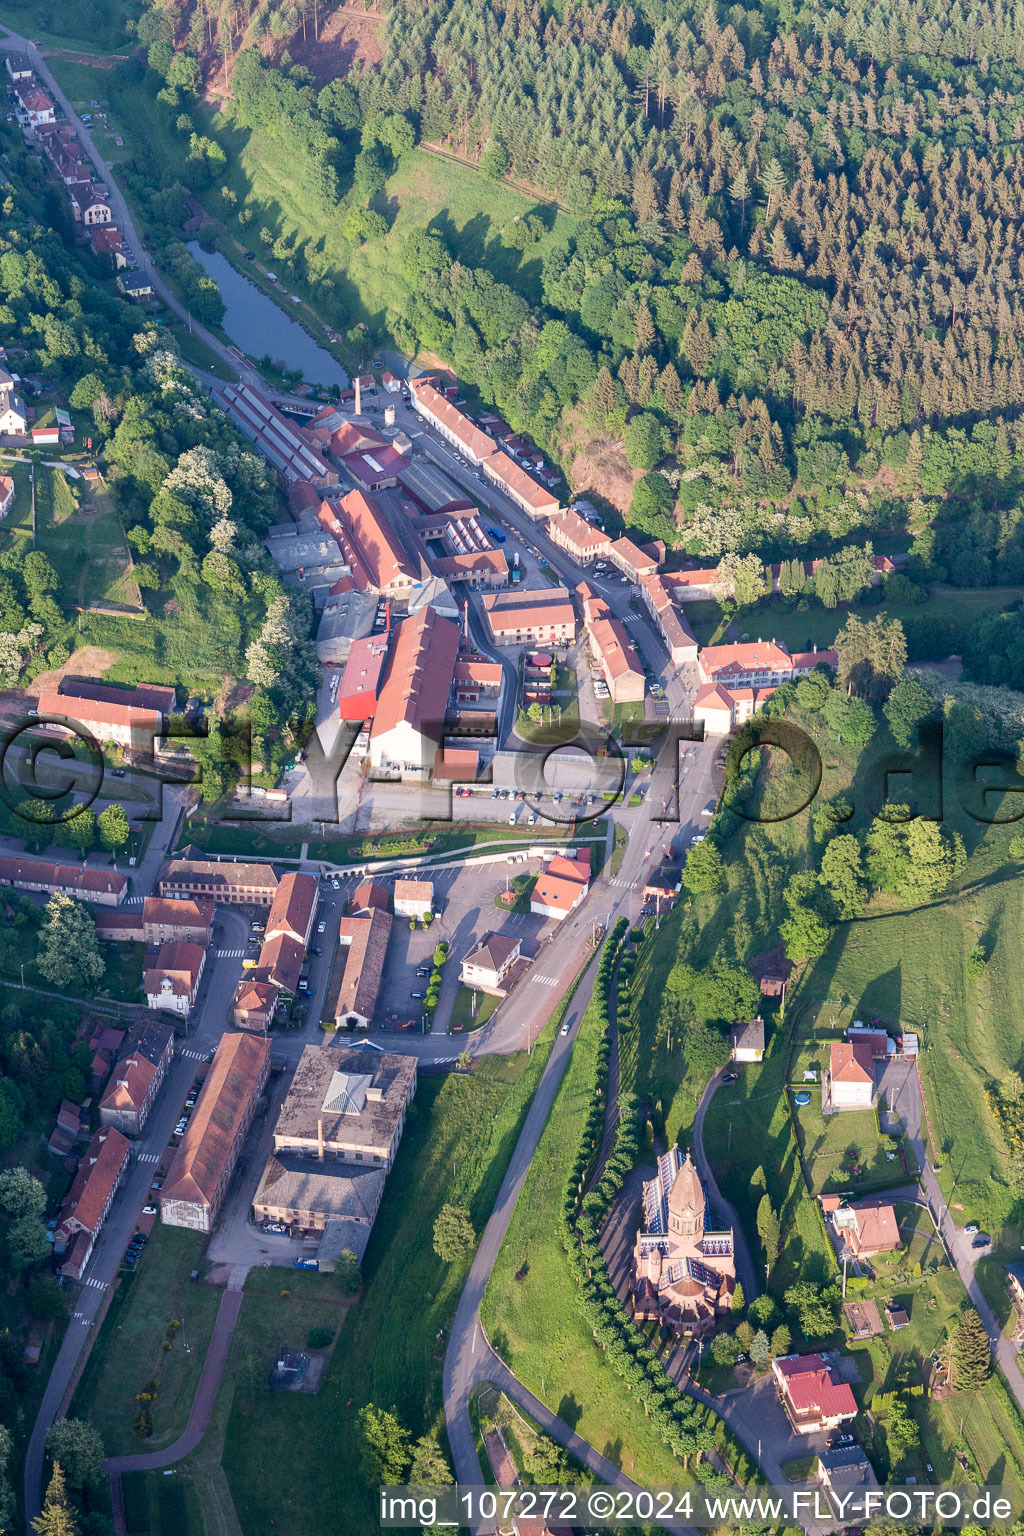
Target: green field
(471,1010)
(129,1349)
(81,533)
(18,522)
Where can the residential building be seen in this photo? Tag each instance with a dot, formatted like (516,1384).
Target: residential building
(1015,1285)
(897,1316)
(13,415)
(126,725)
(489,962)
(335,1141)
(164,920)
(613,651)
(477,568)
(136,285)
(36,105)
(6,494)
(534,499)
(408,727)
(748,1040)
(172,984)
(120,927)
(88,1201)
(632,561)
(19,68)
(680,641)
(355,980)
(863,1228)
(138,1073)
(414,898)
(812,1400)
(578,538)
(368,896)
(850,1079)
(88,206)
(684,1272)
(720,709)
(845,1470)
(293,910)
(105,887)
(531,617)
(194,1190)
(446,418)
(105,240)
(864,1319)
(239,885)
(758,664)
(561,886)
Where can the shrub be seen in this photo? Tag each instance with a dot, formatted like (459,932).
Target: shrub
(319,1338)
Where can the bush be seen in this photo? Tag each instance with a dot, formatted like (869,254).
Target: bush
(319,1338)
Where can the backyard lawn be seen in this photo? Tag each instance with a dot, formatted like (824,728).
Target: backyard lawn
(129,1350)
(472,1008)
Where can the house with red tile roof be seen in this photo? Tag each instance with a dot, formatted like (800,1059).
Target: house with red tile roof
(531,617)
(865,1227)
(613,651)
(758,664)
(850,1079)
(680,641)
(105,887)
(172,983)
(720,709)
(453,424)
(293,909)
(631,560)
(138,1073)
(560,887)
(358,971)
(379,550)
(194,1190)
(534,499)
(812,1400)
(164,920)
(578,538)
(89,1199)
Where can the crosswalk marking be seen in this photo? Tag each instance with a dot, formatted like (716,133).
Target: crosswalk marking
(135,901)
(149,1157)
(193,1055)
(624,885)
(230,954)
(546,981)
(99,1285)
(80,1317)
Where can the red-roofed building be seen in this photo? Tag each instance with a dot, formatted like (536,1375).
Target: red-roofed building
(680,641)
(294,908)
(194,1190)
(613,651)
(477,679)
(374,469)
(408,726)
(137,1076)
(631,560)
(696,586)
(124,724)
(105,887)
(362,678)
(850,1079)
(164,920)
(561,886)
(812,1400)
(105,240)
(428,402)
(578,538)
(6,494)
(758,664)
(531,616)
(173,981)
(378,546)
(720,708)
(370,897)
(36,105)
(536,500)
(89,1199)
(866,1228)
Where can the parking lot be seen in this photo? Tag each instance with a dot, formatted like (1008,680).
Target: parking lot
(464,898)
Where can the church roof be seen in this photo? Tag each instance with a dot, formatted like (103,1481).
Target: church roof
(686,1194)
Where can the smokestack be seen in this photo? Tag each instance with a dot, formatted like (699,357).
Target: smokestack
(358,397)
(387,620)
(320,1137)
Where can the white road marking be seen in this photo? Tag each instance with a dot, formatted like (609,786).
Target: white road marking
(149,1157)
(99,1285)
(545,981)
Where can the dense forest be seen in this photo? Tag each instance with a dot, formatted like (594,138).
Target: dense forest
(793,287)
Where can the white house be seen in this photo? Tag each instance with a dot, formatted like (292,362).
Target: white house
(487,965)
(414,898)
(748,1040)
(850,1081)
(172,982)
(408,726)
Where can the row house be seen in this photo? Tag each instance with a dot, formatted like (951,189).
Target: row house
(88,1201)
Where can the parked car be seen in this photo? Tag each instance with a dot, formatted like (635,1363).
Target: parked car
(419,996)
(971,1228)
(983,1240)
(729,1077)
(512,818)
(531,820)
(321,927)
(565,1028)
(149,1210)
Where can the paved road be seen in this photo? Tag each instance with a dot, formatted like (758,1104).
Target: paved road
(746,1269)
(202,1404)
(218,989)
(11,42)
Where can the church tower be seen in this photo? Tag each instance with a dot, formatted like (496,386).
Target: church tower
(686,1204)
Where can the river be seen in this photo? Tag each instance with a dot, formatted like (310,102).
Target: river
(261,328)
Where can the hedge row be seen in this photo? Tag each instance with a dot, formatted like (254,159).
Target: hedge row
(686,1426)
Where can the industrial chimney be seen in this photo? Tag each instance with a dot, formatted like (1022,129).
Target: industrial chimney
(359,406)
